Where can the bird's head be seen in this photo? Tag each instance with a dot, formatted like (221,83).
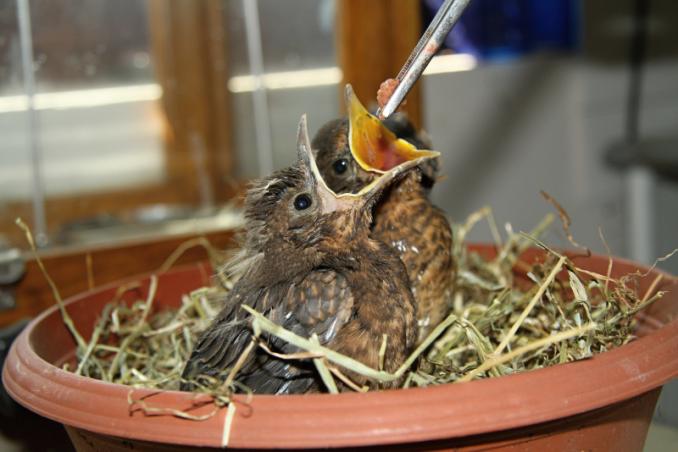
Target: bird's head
(294,211)
(353,151)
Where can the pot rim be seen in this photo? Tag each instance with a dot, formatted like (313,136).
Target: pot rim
(349,419)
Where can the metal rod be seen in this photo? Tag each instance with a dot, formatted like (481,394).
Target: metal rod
(26,45)
(262,122)
(640,179)
(640,215)
(637,52)
(434,36)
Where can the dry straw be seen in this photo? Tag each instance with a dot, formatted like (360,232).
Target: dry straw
(506,316)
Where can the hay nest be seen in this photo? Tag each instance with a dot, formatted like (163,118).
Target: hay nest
(508,316)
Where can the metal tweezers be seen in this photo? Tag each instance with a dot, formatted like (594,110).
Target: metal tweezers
(426,48)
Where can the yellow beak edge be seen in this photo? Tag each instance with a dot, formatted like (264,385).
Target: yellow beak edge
(373,146)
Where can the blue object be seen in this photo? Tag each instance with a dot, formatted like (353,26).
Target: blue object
(506,29)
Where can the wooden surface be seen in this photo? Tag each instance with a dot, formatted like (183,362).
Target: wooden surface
(68,269)
(188,51)
(189,58)
(374,40)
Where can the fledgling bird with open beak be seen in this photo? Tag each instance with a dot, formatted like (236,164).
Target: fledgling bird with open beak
(352,152)
(311,266)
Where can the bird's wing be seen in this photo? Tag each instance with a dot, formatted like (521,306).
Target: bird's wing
(320,304)
(222,343)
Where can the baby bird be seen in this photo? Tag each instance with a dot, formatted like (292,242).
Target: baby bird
(352,152)
(310,265)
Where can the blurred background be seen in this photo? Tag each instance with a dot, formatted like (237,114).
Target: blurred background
(128,126)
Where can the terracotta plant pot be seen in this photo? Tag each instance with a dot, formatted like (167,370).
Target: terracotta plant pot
(604,403)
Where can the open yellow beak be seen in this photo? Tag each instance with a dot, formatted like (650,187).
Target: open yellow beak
(334,202)
(373,146)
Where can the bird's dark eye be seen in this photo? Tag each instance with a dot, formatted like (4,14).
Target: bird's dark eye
(302,202)
(340,166)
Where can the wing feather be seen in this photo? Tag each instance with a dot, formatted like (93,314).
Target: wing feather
(320,303)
